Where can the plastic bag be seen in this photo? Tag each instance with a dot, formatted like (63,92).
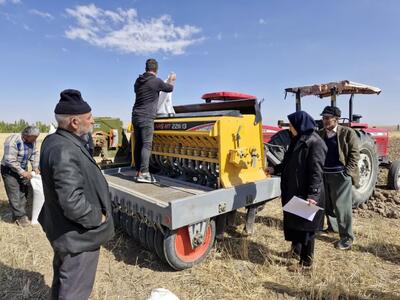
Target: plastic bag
(38,197)
(52,128)
(164,105)
(162,294)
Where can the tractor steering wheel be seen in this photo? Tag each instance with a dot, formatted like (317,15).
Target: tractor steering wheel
(344,120)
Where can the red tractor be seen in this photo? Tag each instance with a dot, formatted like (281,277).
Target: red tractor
(374,142)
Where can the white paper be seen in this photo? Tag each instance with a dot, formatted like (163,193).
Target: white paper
(300,208)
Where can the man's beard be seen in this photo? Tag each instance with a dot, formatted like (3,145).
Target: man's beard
(83,131)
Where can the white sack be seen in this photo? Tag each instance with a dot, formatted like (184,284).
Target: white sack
(38,197)
(162,294)
(164,105)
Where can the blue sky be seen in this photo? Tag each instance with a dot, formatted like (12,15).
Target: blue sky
(256,47)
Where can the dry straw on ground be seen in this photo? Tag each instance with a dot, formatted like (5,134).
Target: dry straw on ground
(238,267)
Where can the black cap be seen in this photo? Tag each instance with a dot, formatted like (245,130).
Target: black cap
(71,103)
(331,111)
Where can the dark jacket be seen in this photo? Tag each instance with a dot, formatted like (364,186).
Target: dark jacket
(76,195)
(349,151)
(302,176)
(147,89)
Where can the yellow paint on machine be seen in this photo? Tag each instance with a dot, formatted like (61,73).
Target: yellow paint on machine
(234,143)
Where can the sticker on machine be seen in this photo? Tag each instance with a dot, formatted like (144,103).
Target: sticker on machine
(186,126)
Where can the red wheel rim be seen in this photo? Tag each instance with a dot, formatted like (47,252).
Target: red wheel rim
(183,246)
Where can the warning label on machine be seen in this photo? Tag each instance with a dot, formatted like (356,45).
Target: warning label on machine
(189,126)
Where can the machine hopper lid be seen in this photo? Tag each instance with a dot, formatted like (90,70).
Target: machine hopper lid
(227,96)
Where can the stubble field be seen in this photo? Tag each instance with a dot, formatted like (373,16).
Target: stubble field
(237,268)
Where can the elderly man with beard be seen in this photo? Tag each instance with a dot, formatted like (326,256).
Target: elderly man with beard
(76,215)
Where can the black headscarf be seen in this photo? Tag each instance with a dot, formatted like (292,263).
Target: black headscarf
(302,122)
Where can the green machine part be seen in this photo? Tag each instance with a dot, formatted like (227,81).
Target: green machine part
(110,141)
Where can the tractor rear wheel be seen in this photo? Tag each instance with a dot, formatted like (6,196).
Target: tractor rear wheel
(368,167)
(394,175)
(178,249)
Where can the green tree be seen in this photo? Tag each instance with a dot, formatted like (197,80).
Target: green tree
(18,126)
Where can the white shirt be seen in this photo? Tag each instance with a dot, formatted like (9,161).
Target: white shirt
(331,133)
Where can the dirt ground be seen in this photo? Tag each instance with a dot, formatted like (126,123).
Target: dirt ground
(237,268)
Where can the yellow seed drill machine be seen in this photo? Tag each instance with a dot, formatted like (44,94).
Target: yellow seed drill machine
(209,161)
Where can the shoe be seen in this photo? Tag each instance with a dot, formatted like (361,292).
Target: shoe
(300,268)
(344,244)
(146,178)
(23,221)
(329,230)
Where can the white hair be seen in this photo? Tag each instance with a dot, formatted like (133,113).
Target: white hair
(63,120)
(30,131)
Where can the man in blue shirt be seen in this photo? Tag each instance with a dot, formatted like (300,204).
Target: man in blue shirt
(19,150)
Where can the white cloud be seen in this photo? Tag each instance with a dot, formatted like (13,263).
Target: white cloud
(27,28)
(122,30)
(219,36)
(262,21)
(10,1)
(42,14)
(8,17)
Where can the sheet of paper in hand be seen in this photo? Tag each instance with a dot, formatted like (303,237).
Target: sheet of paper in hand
(300,208)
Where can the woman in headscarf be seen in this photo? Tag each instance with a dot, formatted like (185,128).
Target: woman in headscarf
(301,176)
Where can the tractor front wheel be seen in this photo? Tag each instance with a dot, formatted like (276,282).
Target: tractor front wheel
(368,167)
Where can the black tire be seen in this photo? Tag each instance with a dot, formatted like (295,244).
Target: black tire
(122,220)
(116,216)
(128,225)
(179,255)
(142,234)
(368,166)
(393,179)
(150,232)
(159,245)
(279,144)
(135,228)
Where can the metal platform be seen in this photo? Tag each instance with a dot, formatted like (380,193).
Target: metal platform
(165,190)
(174,203)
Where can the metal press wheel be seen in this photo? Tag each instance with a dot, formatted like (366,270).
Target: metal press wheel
(122,220)
(128,225)
(178,250)
(116,216)
(142,234)
(150,233)
(135,228)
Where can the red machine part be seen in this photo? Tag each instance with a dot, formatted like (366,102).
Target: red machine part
(381,137)
(227,96)
(268,131)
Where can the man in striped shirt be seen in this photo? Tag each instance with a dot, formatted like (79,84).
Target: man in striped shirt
(19,150)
